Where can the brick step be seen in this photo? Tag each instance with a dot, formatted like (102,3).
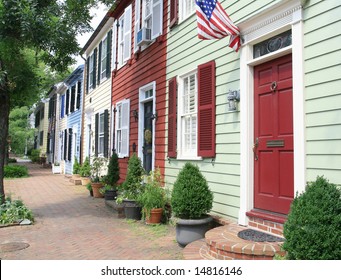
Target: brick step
(223,243)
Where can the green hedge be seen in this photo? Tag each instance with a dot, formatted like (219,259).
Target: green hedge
(14,211)
(15,171)
(313,228)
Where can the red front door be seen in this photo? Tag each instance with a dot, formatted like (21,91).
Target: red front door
(273,148)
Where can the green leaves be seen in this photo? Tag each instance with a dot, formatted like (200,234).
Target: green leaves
(191,196)
(313,228)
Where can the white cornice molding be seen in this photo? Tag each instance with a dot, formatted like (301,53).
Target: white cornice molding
(273,18)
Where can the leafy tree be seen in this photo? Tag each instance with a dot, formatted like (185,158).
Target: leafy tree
(19,130)
(46,28)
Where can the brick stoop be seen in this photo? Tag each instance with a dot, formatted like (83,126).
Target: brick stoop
(223,243)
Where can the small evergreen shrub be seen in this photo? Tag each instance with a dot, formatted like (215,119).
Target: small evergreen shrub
(14,211)
(132,185)
(15,171)
(113,174)
(191,197)
(85,169)
(313,227)
(76,166)
(35,155)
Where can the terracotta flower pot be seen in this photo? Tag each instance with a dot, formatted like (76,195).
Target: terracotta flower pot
(95,188)
(155,216)
(85,180)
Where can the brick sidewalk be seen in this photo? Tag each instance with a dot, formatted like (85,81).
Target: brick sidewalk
(71,225)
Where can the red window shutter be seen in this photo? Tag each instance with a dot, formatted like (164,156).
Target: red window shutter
(173,12)
(172,98)
(206,109)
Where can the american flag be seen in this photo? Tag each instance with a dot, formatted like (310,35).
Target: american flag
(214,23)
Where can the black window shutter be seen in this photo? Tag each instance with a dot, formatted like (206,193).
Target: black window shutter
(172,107)
(73,97)
(48,143)
(67,102)
(79,89)
(99,63)
(70,145)
(96,134)
(106,132)
(88,76)
(65,143)
(94,69)
(109,39)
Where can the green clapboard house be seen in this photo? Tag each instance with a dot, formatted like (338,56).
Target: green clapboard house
(285,128)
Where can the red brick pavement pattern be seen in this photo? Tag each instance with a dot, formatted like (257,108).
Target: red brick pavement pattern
(71,225)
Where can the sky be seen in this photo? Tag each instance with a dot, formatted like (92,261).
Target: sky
(98,13)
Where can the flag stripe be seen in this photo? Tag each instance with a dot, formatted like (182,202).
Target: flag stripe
(214,23)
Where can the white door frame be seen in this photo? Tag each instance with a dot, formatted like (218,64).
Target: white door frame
(274,20)
(142,100)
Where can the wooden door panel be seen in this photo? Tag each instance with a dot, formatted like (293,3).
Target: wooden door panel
(273,125)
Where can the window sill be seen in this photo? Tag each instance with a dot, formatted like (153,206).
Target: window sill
(192,158)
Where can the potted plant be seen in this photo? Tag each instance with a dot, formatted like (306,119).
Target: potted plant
(132,187)
(191,200)
(96,171)
(153,198)
(85,171)
(112,177)
(108,191)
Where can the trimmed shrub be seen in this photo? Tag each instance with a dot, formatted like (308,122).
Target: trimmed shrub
(313,228)
(12,160)
(113,174)
(191,196)
(76,166)
(85,169)
(132,185)
(15,171)
(35,155)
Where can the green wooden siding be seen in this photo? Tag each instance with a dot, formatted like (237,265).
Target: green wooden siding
(322,65)
(184,53)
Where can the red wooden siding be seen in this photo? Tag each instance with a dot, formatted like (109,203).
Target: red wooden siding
(144,67)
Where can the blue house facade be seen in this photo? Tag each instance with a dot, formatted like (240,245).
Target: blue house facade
(71,120)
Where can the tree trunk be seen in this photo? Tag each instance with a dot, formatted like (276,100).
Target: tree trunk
(4,118)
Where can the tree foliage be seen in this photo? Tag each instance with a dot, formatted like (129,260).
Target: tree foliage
(45,28)
(19,130)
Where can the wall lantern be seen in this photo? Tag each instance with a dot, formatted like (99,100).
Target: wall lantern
(136,115)
(233,97)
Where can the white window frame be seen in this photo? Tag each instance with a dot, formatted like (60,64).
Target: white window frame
(124,37)
(185,11)
(100,134)
(121,128)
(142,100)
(104,52)
(184,153)
(156,23)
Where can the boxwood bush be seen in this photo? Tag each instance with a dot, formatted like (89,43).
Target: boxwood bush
(313,227)
(191,197)
(15,171)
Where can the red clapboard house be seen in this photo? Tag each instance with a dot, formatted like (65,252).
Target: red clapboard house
(139,82)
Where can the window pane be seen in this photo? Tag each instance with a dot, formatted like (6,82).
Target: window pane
(101,123)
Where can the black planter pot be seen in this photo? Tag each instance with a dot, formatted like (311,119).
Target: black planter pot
(110,194)
(188,230)
(132,210)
